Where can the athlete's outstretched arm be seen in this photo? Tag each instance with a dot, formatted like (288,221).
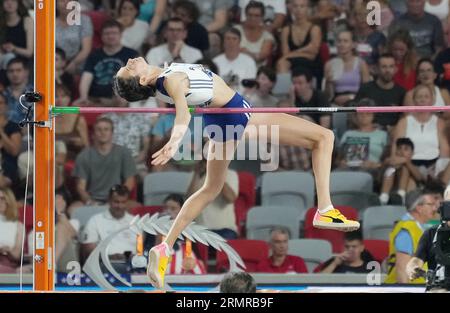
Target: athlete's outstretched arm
(182,118)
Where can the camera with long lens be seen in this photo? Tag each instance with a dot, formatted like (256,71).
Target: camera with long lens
(440,278)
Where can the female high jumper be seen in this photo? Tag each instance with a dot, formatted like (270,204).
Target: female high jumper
(192,85)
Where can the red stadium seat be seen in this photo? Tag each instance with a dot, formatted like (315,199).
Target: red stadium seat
(336,238)
(142,210)
(251,251)
(246,199)
(379,249)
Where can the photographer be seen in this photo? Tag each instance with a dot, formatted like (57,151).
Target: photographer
(426,252)
(404,238)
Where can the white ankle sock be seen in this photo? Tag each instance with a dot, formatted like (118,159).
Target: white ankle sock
(326,209)
(384,198)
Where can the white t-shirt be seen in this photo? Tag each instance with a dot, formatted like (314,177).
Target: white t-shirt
(220,214)
(272,7)
(233,72)
(254,46)
(8,232)
(133,37)
(102,225)
(160,54)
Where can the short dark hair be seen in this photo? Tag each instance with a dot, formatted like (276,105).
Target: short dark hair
(269,72)
(135,3)
(175,197)
(353,235)
(18,60)
(256,5)
(190,7)
(404,141)
(302,71)
(385,55)
(238,282)
(234,31)
(424,60)
(131,90)
(120,190)
(176,20)
(111,24)
(104,119)
(434,186)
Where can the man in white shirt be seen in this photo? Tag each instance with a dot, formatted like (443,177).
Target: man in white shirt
(175,50)
(233,65)
(103,224)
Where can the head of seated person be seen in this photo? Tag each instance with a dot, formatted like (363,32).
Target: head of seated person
(237,282)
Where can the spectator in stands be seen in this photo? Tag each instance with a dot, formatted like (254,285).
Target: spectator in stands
(219,216)
(352,259)
(17,72)
(131,130)
(426,130)
(275,13)
(444,176)
(370,41)
(62,76)
(102,64)
(234,66)
(213,14)
(103,224)
(387,15)
(135,31)
(256,41)
(404,238)
(384,91)
(401,46)
(71,129)
(237,282)
(346,72)
(440,9)
(305,95)
(152,12)
(10,145)
(300,43)
(74,38)
(280,261)
(442,68)
(259,91)
(427,76)
(197,35)
(110,7)
(103,165)
(16,31)
(362,148)
(401,174)
(11,232)
(175,49)
(425,29)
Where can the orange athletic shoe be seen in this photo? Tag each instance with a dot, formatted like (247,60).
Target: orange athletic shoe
(333,219)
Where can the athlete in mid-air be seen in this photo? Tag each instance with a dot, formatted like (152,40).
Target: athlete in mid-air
(187,85)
